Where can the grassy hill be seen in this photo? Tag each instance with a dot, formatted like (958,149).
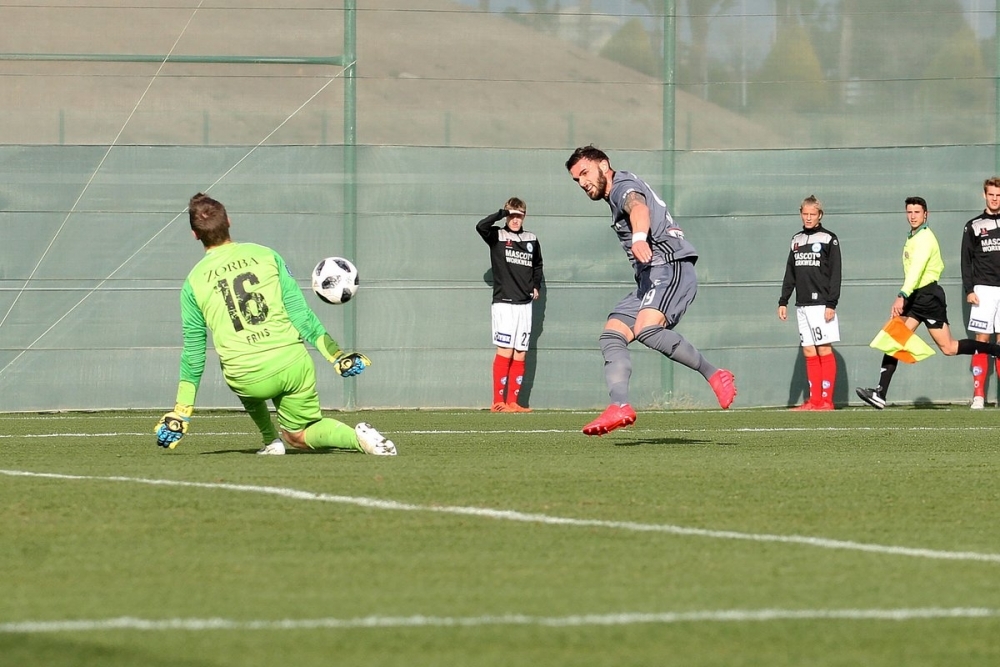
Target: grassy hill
(428,73)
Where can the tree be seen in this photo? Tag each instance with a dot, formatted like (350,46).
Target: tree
(630,46)
(895,38)
(956,74)
(700,22)
(791,77)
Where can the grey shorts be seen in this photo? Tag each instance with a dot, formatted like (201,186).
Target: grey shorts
(669,288)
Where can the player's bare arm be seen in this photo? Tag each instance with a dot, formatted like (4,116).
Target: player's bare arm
(638,217)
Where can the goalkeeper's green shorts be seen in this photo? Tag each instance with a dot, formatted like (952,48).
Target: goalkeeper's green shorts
(292,390)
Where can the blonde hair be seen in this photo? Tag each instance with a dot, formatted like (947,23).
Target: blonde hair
(812,201)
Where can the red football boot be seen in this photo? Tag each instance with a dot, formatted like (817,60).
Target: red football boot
(724,385)
(614,417)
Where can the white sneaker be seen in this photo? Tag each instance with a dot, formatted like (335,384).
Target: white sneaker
(978,403)
(276,448)
(373,442)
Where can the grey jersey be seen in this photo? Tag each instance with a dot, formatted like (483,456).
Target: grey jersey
(666,239)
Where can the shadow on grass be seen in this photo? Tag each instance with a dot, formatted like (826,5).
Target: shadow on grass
(44,649)
(925,403)
(289,451)
(671,442)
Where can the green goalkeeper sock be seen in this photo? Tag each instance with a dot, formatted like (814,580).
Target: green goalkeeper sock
(262,418)
(331,434)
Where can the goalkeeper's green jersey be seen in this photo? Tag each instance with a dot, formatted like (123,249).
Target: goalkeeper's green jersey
(244,293)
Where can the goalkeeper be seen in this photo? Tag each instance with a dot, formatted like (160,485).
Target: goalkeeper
(259,319)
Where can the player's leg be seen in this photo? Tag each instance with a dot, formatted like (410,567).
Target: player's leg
(501,369)
(666,292)
(261,416)
(876,396)
(614,341)
(818,335)
(303,425)
(254,397)
(515,375)
(929,305)
(827,376)
(813,378)
(995,336)
(996,368)
(515,380)
(301,419)
(807,337)
(502,320)
(981,325)
(255,393)
(941,335)
(980,370)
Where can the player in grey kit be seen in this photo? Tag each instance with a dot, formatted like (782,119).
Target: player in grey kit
(663,262)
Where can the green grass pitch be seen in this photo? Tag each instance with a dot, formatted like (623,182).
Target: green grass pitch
(748,537)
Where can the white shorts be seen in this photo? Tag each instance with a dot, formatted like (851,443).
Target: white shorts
(512,325)
(813,327)
(985,318)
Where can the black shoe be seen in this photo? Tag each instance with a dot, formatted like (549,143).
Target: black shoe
(871,397)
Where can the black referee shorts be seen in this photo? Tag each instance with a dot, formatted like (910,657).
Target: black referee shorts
(927,304)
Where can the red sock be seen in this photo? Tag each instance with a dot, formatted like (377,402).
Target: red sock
(500,366)
(514,379)
(814,371)
(980,368)
(828,378)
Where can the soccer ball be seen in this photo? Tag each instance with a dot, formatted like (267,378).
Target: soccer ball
(335,280)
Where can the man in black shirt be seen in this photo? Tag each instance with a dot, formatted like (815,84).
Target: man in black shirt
(516,260)
(981,283)
(813,272)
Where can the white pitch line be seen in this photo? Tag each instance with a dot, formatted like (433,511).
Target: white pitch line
(720,616)
(111,435)
(634,431)
(544,519)
(746,429)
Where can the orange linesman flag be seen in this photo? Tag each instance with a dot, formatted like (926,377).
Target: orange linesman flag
(896,340)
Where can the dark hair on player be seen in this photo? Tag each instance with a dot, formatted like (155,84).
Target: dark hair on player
(991,181)
(209,220)
(589,152)
(917,201)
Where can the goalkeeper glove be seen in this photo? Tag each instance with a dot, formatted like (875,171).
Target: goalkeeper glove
(173,425)
(349,365)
